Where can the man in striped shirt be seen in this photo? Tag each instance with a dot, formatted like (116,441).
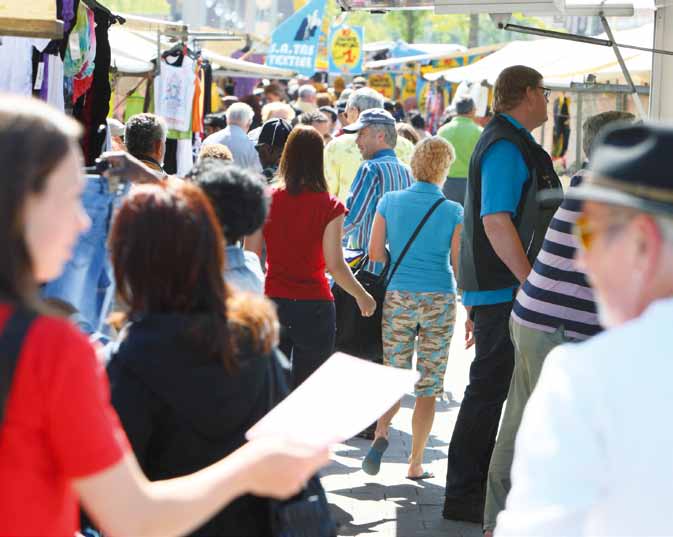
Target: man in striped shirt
(380,172)
(554,305)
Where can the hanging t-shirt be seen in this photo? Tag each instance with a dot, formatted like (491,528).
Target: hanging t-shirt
(174,94)
(16,64)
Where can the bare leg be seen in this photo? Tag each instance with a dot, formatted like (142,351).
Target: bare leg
(383,424)
(421,425)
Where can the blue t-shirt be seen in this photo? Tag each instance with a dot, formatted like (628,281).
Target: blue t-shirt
(426,267)
(503,174)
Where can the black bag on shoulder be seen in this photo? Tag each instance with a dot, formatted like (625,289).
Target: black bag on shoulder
(306,514)
(11,340)
(361,336)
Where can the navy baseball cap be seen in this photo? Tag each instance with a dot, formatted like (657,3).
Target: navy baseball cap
(373,116)
(274,132)
(630,167)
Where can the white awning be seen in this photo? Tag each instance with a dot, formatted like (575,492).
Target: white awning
(561,62)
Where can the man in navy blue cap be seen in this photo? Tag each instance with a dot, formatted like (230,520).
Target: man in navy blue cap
(270,145)
(593,453)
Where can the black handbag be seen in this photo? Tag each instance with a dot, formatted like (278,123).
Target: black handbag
(361,336)
(307,514)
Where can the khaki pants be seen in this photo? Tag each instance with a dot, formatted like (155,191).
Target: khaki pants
(531,347)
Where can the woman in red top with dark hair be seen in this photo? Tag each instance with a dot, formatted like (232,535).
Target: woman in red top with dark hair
(60,440)
(303,239)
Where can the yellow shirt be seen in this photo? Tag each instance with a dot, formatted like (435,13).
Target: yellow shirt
(343,158)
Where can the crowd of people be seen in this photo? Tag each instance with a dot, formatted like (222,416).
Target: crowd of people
(147,321)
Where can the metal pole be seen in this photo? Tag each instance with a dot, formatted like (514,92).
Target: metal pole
(636,98)
(578,133)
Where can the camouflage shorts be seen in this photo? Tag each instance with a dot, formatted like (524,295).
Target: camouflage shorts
(431,316)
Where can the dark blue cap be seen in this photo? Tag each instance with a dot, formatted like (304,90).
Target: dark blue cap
(373,116)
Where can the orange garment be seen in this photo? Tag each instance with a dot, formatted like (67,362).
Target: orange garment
(198,105)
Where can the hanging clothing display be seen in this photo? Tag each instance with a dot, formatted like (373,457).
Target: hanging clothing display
(16,64)
(561,126)
(174,93)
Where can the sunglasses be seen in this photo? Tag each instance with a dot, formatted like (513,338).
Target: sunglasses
(546,92)
(586,234)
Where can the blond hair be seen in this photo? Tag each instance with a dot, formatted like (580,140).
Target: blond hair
(432,159)
(277,109)
(216,151)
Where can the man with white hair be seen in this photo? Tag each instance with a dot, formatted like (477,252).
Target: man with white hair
(342,156)
(234,136)
(592,454)
(306,99)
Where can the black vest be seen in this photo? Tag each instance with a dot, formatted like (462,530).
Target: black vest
(480,268)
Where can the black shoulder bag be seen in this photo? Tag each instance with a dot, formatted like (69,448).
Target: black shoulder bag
(11,341)
(361,336)
(306,514)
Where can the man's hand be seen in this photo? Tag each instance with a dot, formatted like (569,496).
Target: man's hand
(469,328)
(126,166)
(506,243)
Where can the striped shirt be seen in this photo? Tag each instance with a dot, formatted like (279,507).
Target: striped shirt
(556,292)
(382,173)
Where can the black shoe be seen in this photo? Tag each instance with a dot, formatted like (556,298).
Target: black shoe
(464,512)
(368,433)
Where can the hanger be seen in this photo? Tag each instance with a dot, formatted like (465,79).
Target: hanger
(95,5)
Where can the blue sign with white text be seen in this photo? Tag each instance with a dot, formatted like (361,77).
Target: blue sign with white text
(294,44)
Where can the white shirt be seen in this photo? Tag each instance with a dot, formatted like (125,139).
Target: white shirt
(593,454)
(241,147)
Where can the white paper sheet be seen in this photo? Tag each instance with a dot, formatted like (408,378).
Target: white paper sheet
(341,398)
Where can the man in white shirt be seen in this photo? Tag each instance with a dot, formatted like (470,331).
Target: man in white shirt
(235,137)
(593,453)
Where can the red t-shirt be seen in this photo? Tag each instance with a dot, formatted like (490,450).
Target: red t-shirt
(293,234)
(58,426)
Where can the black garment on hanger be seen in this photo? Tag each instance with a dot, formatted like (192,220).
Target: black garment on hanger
(93,107)
(171,157)
(207,87)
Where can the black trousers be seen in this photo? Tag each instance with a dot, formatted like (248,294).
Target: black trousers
(477,423)
(308,330)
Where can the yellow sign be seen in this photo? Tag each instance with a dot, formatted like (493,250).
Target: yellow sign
(384,83)
(346,49)
(408,91)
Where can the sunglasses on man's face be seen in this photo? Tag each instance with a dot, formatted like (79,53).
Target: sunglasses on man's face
(586,233)
(546,92)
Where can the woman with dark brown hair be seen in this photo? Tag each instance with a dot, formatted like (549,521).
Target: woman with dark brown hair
(192,372)
(303,239)
(61,443)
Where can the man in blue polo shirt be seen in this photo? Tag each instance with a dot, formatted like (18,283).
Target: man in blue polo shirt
(503,230)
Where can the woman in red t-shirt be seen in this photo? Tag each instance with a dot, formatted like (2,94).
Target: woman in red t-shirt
(303,239)
(60,440)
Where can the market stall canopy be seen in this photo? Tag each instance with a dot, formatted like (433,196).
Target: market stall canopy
(561,62)
(530,7)
(457,52)
(133,53)
(33,18)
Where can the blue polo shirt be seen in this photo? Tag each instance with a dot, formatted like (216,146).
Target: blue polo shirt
(426,267)
(503,174)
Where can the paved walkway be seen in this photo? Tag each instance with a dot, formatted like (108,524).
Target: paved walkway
(388,504)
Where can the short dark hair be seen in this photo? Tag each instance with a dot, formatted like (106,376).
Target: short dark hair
(34,140)
(309,118)
(465,106)
(237,195)
(417,121)
(142,132)
(511,85)
(296,170)
(274,89)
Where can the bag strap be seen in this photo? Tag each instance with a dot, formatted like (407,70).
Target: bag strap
(11,341)
(414,235)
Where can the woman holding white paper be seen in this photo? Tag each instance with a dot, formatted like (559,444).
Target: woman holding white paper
(420,298)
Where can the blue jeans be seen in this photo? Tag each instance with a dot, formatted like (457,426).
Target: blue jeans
(87,281)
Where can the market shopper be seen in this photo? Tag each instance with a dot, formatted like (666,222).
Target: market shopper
(554,305)
(270,145)
(234,136)
(303,239)
(145,137)
(503,230)
(463,133)
(421,296)
(241,204)
(191,372)
(60,440)
(592,453)
(342,156)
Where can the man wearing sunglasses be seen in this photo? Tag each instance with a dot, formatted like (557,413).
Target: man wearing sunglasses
(503,231)
(554,305)
(593,453)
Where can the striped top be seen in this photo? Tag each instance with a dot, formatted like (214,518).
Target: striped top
(556,292)
(382,173)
